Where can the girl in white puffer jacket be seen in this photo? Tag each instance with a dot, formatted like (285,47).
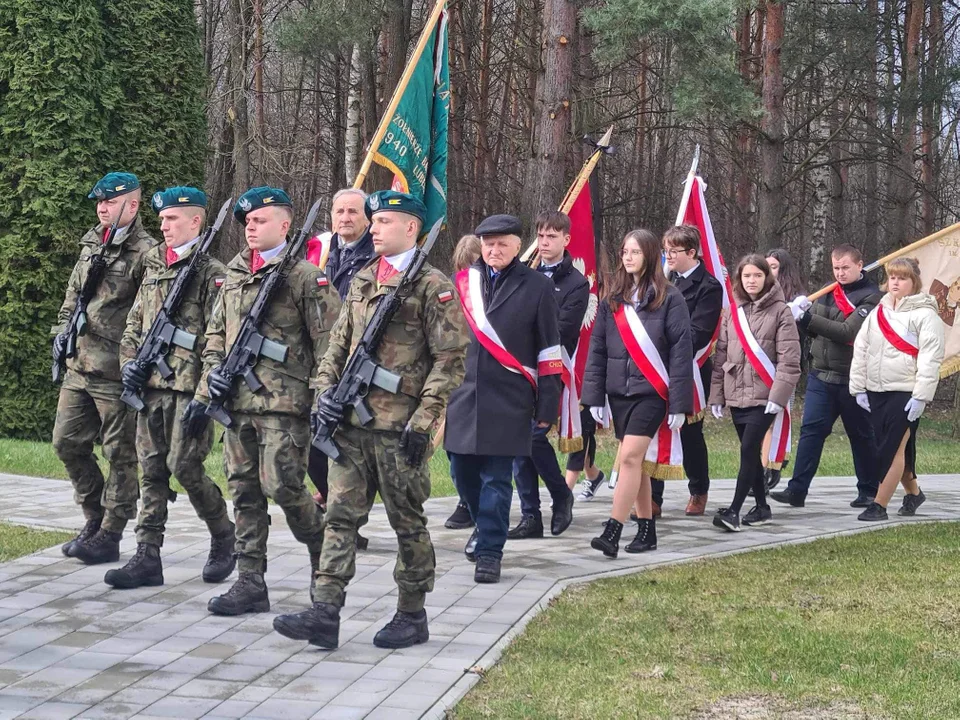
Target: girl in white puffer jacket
(894,375)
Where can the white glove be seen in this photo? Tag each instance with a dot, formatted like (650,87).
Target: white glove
(717,411)
(864,402)
(914,409)
(772,408)
(675,420)
(798,306)
(597,414)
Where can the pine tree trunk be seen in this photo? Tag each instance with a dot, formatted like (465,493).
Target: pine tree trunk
(772,130)
(902,227)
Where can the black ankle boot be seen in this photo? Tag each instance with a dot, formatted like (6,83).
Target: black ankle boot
(247,594)
(320,625)
(609,540)
(103,547)
(646,538)
(221,561)
(144,568)
(90,529)
(404,630)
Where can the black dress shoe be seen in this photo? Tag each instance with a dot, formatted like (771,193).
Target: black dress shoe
(530,526)
(562,515)
(863,501)
(789,498)
(487,570)
(470,549)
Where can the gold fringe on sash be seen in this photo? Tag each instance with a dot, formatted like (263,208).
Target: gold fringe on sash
(663,472)
(696,417)
(570,445)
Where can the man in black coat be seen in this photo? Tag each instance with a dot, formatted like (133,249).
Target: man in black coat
(513,370)
(572,292)
(704,297)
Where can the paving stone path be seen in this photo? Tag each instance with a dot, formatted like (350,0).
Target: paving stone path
(72,647)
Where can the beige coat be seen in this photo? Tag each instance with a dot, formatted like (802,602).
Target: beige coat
(735,382)
(879,367)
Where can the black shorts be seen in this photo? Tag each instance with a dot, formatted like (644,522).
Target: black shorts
(638,415)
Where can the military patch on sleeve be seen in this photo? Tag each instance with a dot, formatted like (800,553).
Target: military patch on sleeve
(218,281)
(445,296)
(863,312)
(322,281)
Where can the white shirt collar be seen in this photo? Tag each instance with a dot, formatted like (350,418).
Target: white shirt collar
(690,271)
(273,252)
(402,260)
(186,246)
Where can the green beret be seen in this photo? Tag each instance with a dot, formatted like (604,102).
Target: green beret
(179,196)
(258,197)
(395,202)
(114,184)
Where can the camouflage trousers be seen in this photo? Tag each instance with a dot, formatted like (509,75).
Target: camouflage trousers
(83,417)
(265,456)
(371,462)
(163,450)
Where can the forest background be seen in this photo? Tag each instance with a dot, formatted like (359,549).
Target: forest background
(821,121)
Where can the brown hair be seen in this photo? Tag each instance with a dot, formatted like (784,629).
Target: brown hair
(622,283)
(758,261)
(466,252)
(905,267)
(553,220)
(845,250)
(683,237)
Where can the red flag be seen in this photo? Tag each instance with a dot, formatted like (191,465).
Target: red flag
(693,211)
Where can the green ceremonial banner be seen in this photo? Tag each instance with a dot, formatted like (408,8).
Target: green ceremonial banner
(414,146)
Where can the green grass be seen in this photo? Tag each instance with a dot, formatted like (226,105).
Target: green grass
(16,541)
(936,453)
(868,625)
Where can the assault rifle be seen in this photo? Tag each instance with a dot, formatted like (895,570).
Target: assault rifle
(163,334)
(361,370)
(250,345)
(77,325)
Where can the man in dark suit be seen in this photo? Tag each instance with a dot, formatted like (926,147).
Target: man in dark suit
(704,296)
(572,292)
(513,370)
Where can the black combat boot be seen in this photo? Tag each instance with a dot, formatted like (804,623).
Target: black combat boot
(144,568)
(221,561)
(646,538)
(320,625)
(406,629)
(247,594)
(362,542)
(608,541)
(104,547)
(90,529)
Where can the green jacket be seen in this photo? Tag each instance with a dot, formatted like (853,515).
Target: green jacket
(833,334)
(303,310)
(98,349)
(192,316)
(425,344)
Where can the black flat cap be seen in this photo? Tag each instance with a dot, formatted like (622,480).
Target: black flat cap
(498,225)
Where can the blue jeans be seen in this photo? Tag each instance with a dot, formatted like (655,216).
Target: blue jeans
(541,462)
(485,482)
(823,403)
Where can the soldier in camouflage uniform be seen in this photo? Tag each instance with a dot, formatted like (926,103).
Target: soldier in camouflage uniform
(89,406)
(425,344)
(166,445)
(265,451)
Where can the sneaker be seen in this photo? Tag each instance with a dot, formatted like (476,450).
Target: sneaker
(873,513)
(862,501)
(760,515)
(588,488)
(789,498)
(727,519)
(460,519)
(911,503)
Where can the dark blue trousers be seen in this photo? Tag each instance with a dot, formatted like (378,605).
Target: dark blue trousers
(542,462)
(823,403)
(485,482)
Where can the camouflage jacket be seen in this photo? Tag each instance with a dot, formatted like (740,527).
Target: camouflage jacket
(425,344)
(98,348)
(194,313)
(302,312)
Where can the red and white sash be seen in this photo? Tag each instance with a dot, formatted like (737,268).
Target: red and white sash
(699,392)
(903,340)
(843,302)
(570,430)
(470,288)
(664,458)
(767,371)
